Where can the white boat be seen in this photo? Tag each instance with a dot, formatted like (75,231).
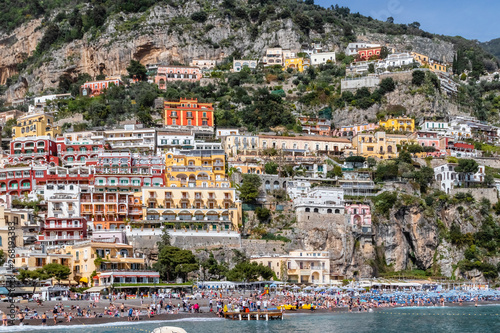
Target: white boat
(169,329)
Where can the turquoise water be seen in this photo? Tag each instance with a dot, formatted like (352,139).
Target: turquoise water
(411,319)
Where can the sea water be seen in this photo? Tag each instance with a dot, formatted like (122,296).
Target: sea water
(454,319)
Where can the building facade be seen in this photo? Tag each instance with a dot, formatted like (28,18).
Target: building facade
(35,125)
(194,208)
(95,88)
(402,124)
(188,114)
(166,74)
(196,168)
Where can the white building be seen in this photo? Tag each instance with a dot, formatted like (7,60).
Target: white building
(168,140)
(322,58)
(64,205)
(352,48)
(203,64)
(395,60)
(202,145)
(239,64)
(324,200)
(220,132)
(435,126)
(298,188)
(447,178)
(130,137)
(277,56)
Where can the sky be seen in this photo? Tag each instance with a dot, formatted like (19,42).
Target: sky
(472,19)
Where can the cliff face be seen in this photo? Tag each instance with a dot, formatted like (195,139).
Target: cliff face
(156,40)
(165,34)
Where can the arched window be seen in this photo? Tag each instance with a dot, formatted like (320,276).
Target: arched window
(316,210)
(329,211)
(308,210)
(337,211)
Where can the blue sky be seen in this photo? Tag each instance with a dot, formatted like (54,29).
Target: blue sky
(474,19)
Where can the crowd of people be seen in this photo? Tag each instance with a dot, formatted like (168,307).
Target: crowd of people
(220,301)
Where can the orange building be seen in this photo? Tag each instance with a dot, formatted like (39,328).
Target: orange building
(188,112)
(95,88)
(369,53)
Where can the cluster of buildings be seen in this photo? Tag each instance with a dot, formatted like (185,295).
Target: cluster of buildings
(95,189)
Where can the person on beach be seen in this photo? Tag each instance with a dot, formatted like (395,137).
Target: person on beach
(130,313)
(44,319)
(4,319)
(137,314)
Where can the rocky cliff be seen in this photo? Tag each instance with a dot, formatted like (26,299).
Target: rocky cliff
(166,34)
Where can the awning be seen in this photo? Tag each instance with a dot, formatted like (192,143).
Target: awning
(84,280)
(95,289)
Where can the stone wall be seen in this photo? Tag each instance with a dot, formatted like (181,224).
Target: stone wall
(478,193)
(397,76)
(263,247)
(354,84)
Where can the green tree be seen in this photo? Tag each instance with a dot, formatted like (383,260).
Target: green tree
(414,149)
(384,52)
(200,16)
(418,78)
(174,262)
(249,189)
(57,271)
(164,240)
(263,214)
(424,177)
(212,268)
(387,85)
(466,167)
(249,272)
(355,159)
(371,162)
(371,68)
(335,172)
(271,168)
(2,257)
(137,70)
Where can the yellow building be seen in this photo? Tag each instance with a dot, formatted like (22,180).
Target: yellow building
(300,64)
(378,144)
(115,256)
(300,266)
(403,124)
(196,168)
(426,62)
(437,67)
(35,124)
(203,209)
(33,259)
(15,222)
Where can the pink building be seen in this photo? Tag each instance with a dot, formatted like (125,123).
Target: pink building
(351,131)
(359,217)
(427,139)
(176,73)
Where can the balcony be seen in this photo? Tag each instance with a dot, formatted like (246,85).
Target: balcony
(64,226)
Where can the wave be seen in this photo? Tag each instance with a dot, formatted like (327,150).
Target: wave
(29,328)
